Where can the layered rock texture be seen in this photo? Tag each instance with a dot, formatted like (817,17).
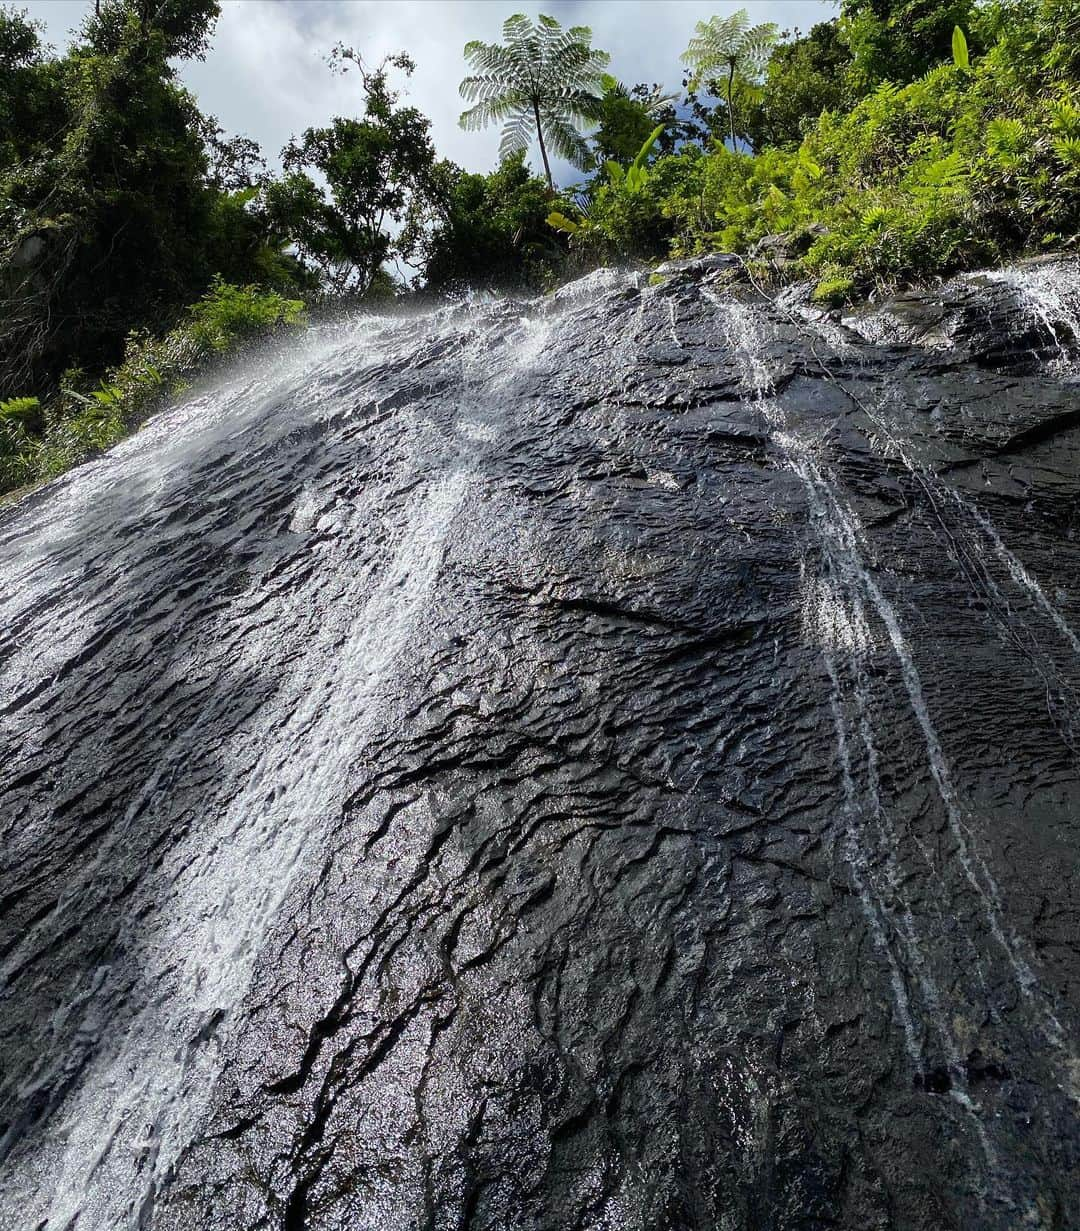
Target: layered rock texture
(603,763)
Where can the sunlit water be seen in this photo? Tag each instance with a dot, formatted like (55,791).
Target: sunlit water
(511,766)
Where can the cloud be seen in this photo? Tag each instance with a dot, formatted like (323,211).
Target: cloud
(266,76)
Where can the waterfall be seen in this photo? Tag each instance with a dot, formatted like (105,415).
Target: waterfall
(836,613)
(602,760)
(1050,293)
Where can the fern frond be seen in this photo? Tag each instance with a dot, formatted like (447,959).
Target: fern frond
(487,58)
(1064,118)
(516,135)
(1068,150)
(488,111)
(516,27)
(565,140)
(489,85)
(730,43)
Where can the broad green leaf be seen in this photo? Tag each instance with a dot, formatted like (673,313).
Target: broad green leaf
(646,149)
(960,48)
(809,165)
(561,223)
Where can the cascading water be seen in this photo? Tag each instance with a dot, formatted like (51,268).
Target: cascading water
(603,763)
(1050,293)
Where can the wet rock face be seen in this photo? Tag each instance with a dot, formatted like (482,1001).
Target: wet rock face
(1016,319)
(607,765)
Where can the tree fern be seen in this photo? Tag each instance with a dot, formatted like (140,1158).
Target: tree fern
(542,81)
(731,48)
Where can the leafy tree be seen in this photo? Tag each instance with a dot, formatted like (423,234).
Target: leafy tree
(104,215)
(627,116)
(183,27)
(119,200)
(805,76)
(484,230)
(730,47)
(542,82)
(372,167)
(32,102)
(899,40)
(234,163)
(20,41)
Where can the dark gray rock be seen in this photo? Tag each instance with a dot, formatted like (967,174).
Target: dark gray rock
(786,246)
(696,267)
(606,766)
(1015,320)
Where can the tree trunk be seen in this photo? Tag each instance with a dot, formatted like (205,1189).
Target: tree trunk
(730,107)
(543,149)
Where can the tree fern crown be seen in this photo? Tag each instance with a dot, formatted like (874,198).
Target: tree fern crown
(730,50)
(725,44)
(542,81)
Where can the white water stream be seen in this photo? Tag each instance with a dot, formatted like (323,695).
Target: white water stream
(836,609)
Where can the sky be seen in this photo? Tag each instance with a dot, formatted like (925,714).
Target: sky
(265,75)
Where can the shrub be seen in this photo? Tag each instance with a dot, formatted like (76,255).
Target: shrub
(38,442)
(971,162)
(621,218)
(227,313)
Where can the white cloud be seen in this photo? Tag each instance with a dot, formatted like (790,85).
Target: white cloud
(266,76)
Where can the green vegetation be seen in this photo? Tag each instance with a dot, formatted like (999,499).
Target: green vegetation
(620,207)
(108,215)
(83,417)
(804,77)
(484,231)
(541,81)
(626,115)
(902,40)
(906,139)
(975,159)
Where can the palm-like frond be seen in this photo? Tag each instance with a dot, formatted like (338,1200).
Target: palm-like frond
(573,104)
(574,62)
(517,133)
(487,58)
(482,86)
(565,140)
(730,43)
(540,71)
(490,111)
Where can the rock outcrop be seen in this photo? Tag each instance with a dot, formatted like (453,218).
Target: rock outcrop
(605,766)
